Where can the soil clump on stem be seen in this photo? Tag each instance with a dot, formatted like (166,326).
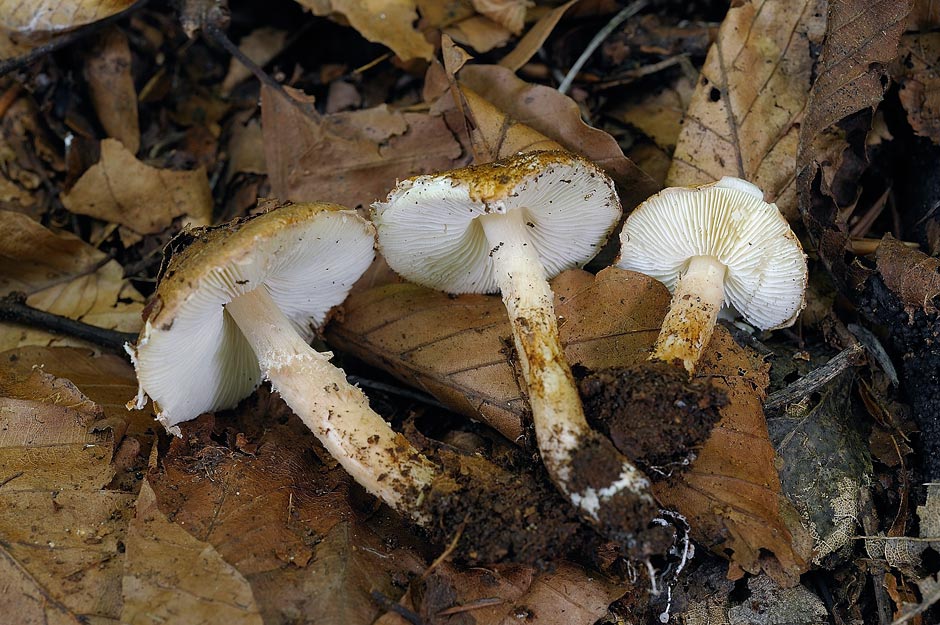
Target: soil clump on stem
(652,413)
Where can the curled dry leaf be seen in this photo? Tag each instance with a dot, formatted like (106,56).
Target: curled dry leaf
(912,275)
(744,117)
(529,45)
(121,189)
(62,274)
(108,72)
(504,595)
(349,158)
(61,530)
(861,41)
(388,22)
(165,575)
(455,349)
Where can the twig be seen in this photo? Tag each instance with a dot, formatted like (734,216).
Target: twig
(395,607)
(215,34)
(13,308)
(63,40)
(395,390)
(478,604)
(7,480)
(627,12)
(816,378)
(446,554)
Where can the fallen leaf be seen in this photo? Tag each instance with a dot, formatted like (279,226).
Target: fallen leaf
(60,531)
(281,518)
(530,43)
(917,73)
(557,117)
(121,189)
(479,32)
(260,45)
(744,117)
(165,575)
(351,158)
(454,349)
(49,16)
(861,41)
(504,595)
(388,22)
(111,85)
(510,14)
(912,275)
(62,274)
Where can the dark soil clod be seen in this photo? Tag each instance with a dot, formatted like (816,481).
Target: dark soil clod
(652,413)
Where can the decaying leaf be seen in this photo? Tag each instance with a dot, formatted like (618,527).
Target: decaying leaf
(165,575)
(260,45)
(919,56)
(529,45)
(823,463)
(566,595)
(389,22)
(349,158)
(62,274)
(111,85)
(282,519)
(49,16)
(454,348)
(912,275)
(121,189)
(743,119)
(861,41)
(60,530)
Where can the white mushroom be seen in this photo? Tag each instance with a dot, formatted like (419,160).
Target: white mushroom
(712,245)
(509,226)
(239,304)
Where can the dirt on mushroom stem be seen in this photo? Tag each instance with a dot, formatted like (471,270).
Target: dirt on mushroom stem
(652,413)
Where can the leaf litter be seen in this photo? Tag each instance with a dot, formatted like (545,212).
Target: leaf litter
(106,156)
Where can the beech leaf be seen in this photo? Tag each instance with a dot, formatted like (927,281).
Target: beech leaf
(455,349)
(743,119)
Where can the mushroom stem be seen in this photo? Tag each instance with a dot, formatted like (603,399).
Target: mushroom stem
(561,429)
(693,311)
(376,456)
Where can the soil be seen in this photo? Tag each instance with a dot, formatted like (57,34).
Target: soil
(652,413)
(518,516)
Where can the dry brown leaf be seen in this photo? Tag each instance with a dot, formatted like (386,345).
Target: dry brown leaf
(506,595)
(49,16)
(388,22)
(349,158)
(59,531)
(529,45)
(912,275)
(479,32)
(919,77)
(861,41)
(260,45)
(61,274)
(166,572)
(121,189)
(108,72)
(659,114)
(557,117)
(454,348)
(925,15)
(283,520)
(510,14)
(744,116)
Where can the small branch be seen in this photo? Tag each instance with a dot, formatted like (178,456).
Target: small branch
(65,39)
(848,357)
(627,12)
(395,390)
(391,606)
(14,309)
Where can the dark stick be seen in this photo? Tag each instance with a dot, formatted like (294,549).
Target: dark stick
(391,606)
(848,357)
(66,39)
(14,309)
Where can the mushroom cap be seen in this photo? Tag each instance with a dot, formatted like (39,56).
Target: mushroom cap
(729,219)
(191,357)
(429,233)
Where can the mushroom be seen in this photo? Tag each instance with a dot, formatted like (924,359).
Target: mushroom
(710,245)
(239,304)
(509,226)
